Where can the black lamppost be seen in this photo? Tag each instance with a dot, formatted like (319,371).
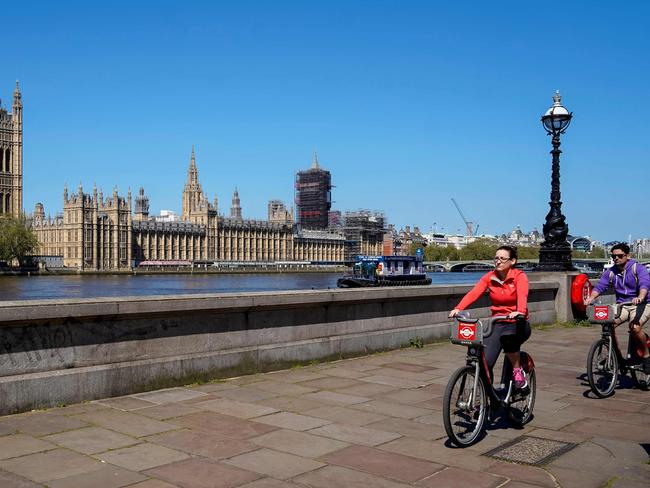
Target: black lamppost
(555,252)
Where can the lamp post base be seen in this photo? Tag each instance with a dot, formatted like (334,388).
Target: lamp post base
(555,259)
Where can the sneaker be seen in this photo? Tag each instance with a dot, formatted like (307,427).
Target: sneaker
(646,365)
(519,377)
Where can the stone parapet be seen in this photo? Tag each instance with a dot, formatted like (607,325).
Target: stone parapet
(66,351)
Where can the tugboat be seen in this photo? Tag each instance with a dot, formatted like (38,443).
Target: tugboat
(385,271)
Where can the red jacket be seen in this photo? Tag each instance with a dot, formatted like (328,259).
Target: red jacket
(511,295)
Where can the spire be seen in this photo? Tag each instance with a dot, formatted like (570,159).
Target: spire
(192,173)
(235,210)
(17,97)
(314,162)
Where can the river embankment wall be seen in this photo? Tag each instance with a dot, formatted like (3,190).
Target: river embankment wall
(67,351)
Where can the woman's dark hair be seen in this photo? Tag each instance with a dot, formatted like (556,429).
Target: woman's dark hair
(510,249)
(622,246)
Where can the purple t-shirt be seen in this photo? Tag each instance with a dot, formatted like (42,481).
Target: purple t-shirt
(625,285)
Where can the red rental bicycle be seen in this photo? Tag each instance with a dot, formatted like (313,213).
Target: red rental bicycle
(470,388)
(605,360)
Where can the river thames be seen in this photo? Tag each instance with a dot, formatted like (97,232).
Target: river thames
(88,286)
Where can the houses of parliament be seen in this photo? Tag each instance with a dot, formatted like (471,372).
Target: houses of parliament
(114,232)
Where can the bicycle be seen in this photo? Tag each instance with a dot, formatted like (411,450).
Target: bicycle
(605,360)
(465,404)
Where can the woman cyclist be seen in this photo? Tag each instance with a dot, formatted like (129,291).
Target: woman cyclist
(508,288)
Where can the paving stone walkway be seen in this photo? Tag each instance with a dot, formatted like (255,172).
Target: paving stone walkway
(373,421)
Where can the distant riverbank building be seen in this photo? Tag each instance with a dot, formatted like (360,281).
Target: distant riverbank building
(97,233)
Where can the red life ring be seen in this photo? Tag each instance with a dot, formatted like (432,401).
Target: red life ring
(580,291)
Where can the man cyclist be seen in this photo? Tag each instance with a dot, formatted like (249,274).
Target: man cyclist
(631,282)
(508,288)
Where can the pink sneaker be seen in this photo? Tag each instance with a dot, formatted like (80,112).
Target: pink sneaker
(519,377)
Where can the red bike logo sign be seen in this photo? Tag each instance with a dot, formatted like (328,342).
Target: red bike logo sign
(601,313)
(467,332)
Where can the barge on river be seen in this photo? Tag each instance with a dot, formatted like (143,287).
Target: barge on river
(385,271)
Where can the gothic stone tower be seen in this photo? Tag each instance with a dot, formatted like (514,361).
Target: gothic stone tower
(11,157)
(197,209)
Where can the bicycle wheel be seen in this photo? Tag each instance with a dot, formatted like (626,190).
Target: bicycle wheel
(520,410)
(463,411)
(602,369)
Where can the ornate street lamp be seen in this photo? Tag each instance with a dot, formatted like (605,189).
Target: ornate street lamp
(555,252)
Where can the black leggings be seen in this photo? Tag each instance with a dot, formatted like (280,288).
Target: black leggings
(508,337)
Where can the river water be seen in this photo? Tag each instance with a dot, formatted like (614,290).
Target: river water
(87,286)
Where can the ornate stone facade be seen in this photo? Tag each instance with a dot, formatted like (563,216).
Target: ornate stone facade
(11,157)
(103,234)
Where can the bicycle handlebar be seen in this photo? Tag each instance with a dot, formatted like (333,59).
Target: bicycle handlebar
(487,323)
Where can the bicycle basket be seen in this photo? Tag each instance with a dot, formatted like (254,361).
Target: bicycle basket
(601,314)
(467,333)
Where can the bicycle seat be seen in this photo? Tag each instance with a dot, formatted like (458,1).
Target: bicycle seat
(466,320)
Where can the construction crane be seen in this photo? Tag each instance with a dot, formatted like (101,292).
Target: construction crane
(468,224)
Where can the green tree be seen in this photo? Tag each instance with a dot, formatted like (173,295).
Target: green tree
(434,252)
(528,252)
(16,240)
(479,249)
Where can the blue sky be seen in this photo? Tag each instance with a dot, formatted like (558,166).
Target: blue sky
(407,103)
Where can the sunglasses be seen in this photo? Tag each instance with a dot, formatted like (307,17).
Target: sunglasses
(618,256)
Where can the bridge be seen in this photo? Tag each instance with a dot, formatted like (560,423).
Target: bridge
(596,264)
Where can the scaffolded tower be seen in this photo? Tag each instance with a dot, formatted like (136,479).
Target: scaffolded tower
(313,196)
(364,233)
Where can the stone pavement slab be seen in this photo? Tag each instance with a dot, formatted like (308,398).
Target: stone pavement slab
(371,421)
(202,473)
(42,423)
(299,443)
(355,435)
(104,477)
(344,415)
(235,408)
(455,477)
(169,395)
(294,421)
(14,481)
(19,444)
(126,422)
(275,464)
(91,440)
(338,476)
(223,425)
(202,444)
(50,465)
(382,463)
(143,456)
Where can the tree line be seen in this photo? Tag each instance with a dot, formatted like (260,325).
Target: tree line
(484,249)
